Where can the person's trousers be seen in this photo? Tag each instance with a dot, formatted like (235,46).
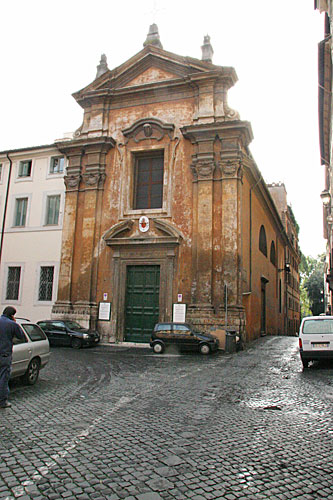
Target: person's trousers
(5,364)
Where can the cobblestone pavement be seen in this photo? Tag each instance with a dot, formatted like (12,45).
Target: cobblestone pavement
(121,423)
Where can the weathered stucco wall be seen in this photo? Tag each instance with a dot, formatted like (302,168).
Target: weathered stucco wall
(205,235)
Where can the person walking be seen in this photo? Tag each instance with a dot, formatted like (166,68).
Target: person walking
(8,330)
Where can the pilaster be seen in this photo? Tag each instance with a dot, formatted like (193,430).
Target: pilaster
(84,182)
(203,166)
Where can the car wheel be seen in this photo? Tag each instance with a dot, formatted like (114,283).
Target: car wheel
(204,349)
(31,375)
(158,348)
(305,363)
(76,343)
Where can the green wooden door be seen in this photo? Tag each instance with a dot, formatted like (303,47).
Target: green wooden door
(142,302)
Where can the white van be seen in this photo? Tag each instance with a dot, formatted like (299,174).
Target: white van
(316,339)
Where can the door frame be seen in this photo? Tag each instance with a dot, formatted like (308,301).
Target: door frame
(165,257)
(127,294)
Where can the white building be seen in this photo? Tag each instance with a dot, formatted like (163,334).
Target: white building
(32,197)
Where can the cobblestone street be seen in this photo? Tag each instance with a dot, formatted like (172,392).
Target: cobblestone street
(121,423)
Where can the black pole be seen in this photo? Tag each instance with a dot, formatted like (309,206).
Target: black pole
(5,207)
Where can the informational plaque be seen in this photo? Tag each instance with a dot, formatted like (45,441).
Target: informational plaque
(104,311)
(179,313)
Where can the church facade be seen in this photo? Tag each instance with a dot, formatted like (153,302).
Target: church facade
(165,205)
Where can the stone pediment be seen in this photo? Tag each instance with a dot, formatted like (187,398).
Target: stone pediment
(150,65)
(128,233)
(149,128)
(151,75)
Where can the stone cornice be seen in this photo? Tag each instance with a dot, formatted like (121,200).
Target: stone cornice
(209,131)
(79,146)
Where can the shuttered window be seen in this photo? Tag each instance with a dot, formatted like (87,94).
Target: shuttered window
(20,211)
(52,210)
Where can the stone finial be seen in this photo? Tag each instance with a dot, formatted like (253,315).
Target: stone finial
(153,37)
(207,50)
(102,67)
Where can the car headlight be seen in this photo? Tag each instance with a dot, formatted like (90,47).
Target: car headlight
(85,336)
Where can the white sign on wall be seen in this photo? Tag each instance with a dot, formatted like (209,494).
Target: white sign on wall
(104,311)
(179,313)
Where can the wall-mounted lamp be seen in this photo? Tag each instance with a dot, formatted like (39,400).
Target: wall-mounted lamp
(325,198)
(285,268)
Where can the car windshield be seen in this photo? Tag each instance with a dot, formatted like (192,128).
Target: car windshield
(318,326)
(73,325)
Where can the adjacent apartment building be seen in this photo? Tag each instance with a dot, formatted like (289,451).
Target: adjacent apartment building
(32,197)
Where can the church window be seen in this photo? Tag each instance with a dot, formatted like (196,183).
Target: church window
(273,254)
(148,181)
(263,241)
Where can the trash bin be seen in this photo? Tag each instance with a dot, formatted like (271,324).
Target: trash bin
(230,340)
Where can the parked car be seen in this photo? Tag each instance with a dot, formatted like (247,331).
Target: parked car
(183,336)
(316,339)
(68,333)
(31,354)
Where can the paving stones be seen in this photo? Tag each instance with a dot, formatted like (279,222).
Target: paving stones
(170,428)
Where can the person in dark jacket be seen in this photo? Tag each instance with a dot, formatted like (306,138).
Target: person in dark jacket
(8,330)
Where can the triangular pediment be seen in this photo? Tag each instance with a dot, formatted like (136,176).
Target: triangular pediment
(151,75)
(128,233)
(150,65)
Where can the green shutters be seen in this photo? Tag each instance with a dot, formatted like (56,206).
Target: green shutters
(142,302)
(52,210)
(20,211)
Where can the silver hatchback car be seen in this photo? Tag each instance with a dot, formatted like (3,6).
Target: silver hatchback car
(31,354)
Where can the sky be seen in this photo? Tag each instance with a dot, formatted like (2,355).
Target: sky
(48,50)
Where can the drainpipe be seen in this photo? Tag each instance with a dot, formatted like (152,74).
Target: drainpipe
(6,205)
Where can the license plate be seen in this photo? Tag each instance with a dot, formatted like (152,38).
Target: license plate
(322,345)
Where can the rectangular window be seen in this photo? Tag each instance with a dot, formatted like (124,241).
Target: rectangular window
(148,181)
(13,283)
(52,209)
(21,205)
(46,283)
(57,164)
(25,168)
(34,332)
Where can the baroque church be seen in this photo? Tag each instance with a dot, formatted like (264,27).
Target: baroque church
(166,209)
